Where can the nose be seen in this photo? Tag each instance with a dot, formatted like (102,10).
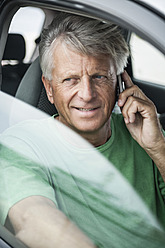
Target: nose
(87,89)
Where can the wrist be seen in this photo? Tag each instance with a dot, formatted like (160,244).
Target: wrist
(157,154)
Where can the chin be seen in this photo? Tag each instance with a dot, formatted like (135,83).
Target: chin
(87,128)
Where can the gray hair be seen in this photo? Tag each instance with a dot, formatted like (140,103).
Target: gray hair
(83,35)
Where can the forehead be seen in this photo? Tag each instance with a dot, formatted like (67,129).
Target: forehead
(67,60)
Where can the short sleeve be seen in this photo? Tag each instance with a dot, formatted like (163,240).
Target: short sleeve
(21,176)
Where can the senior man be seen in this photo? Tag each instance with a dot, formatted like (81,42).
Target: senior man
(80,59)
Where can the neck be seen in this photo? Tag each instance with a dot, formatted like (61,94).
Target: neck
(99,137)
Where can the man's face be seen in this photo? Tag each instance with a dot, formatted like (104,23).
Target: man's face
(82,89)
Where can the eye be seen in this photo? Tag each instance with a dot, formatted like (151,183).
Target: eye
(99,78)
(68,79)
(71,80)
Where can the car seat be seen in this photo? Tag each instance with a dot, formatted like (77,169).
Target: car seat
(12,73)
(32,91)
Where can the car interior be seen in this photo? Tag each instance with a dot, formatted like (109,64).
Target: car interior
(12,74)
(23,80)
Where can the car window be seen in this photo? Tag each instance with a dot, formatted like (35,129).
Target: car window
(40,154)
(28,21)
(81,176)
(147,62)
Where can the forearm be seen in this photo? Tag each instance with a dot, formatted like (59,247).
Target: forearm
(64,234)
(157,154)
(42,225)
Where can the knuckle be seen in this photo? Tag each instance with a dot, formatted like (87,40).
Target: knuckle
(136,87)
(131,99)
(137,91)
(134,101)
(124,112)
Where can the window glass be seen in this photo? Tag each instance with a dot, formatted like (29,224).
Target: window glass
(147,62)
(28,21)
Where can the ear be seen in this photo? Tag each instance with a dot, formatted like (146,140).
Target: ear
(48,88)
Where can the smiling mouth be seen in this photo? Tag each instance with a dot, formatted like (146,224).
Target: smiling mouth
(86,109)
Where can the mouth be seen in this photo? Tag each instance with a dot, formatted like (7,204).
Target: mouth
(86,109)
(86,112)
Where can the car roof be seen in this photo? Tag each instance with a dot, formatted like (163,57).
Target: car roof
(158,5)
(140,16)
(135,15)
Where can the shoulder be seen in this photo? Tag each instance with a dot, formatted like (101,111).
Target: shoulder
(25,129)
(123,138)
(24,138)
(118,126)
(118,120)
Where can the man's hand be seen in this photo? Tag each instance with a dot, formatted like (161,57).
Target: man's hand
(141,120)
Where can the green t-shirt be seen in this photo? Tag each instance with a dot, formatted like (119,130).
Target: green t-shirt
(45,158)
(138,168)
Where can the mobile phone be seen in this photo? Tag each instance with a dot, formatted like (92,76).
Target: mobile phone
(120,87)
(120,84)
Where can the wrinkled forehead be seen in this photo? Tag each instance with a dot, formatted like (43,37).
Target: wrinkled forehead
(69,63)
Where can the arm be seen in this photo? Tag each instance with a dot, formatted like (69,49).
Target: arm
(38,223)
(141,120)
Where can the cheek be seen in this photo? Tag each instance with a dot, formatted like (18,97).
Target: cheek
(62,95)
(107,93)
(57,95)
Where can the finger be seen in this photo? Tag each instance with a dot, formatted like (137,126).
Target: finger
(131,91)
(134,106)
(127,80)
(128,111)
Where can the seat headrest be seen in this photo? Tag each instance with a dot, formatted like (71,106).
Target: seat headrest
(32,91)
(15,47)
